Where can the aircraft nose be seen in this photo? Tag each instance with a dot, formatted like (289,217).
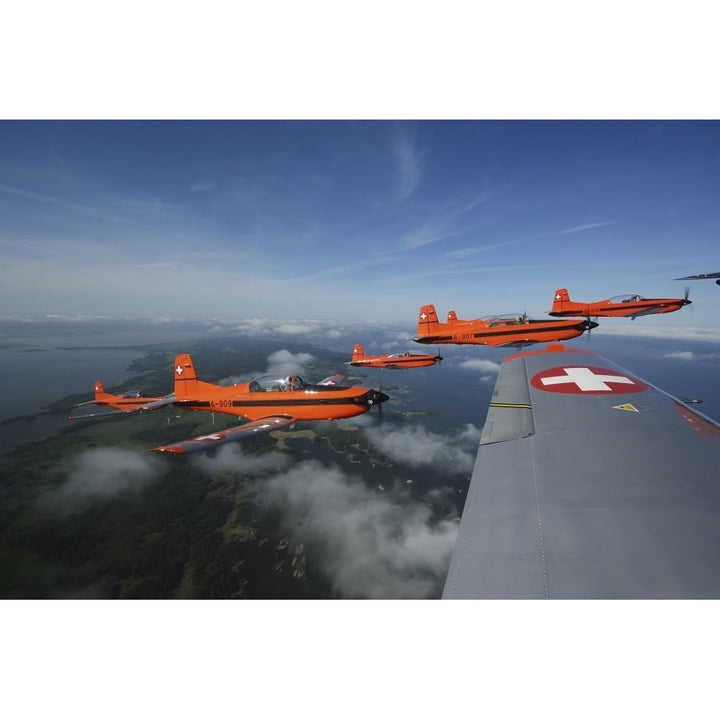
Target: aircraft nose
(375,397)
(590,325)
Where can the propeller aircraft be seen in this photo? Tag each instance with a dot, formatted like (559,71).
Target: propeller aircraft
(631,306)
(269,403)
(392,360)
(118,404)
(515,330)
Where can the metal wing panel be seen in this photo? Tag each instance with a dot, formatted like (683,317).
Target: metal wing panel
(614,494)
(205,442)
(155,404)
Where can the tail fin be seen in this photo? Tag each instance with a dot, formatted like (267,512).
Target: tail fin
(427,320)
(561,301)
(452,317)
(185,376)
(358,352)
(99,391)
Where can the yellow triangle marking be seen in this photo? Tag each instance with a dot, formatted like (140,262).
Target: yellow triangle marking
(626,406)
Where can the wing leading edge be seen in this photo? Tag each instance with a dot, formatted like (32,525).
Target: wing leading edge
(211,440)
(589,483)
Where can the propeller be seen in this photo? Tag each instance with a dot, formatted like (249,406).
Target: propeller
(685,297)
(589,325)
(382,395)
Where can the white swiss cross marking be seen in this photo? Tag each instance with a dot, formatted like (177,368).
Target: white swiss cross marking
(423,316)
(558,296)
(592,380)
(179,370)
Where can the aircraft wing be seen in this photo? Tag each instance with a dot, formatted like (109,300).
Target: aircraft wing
(589,483)
(162,402)
(211,440)
(701,276)
(106,412)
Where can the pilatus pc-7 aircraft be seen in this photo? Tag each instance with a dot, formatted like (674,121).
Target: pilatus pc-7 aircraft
(392,360)
(513,330)
(268,402)
(125,403)
(631,306)
(588,483)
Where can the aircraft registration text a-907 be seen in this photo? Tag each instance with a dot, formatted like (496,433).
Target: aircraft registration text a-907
(511,330)
(589,483)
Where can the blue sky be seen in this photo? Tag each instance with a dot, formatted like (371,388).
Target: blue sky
(363,220)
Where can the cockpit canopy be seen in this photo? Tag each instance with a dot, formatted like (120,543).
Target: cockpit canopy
(626,298)
(274,383)
(508,319)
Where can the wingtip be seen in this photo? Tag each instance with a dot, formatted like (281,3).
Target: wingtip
(168,449)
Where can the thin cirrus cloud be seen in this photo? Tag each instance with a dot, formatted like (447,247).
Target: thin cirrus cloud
(583,228)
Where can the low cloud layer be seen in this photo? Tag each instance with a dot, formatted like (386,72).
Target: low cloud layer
(231,458)
(367,544)
(487,369)
(280,362)
(284,362)
(102,474)
(415,446)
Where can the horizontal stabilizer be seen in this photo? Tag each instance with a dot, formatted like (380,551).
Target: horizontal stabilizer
(333,380)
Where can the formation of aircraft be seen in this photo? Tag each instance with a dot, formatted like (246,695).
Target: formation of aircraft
(392,360)
(588,482)
(631,306)
(703,276)
(269,403)
(513,330)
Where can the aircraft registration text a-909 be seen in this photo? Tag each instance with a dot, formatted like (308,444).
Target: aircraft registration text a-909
(589,483)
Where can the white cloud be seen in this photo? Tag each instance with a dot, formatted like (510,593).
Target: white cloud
(417,447)
(483,366)
(104,473)
(682,355)
(586,226)
(284,362)
(231,458)
(636,329)
(280,362)
(368,544)
(408,164)
(294,329)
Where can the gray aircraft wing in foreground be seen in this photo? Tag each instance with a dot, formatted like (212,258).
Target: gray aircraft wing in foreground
(589,483)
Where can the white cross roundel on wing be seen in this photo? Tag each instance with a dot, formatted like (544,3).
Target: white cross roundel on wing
(586,380)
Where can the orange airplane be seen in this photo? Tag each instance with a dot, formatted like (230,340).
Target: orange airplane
(268,402)
(631,306)
(499,331)
(393,360)
(125,403)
